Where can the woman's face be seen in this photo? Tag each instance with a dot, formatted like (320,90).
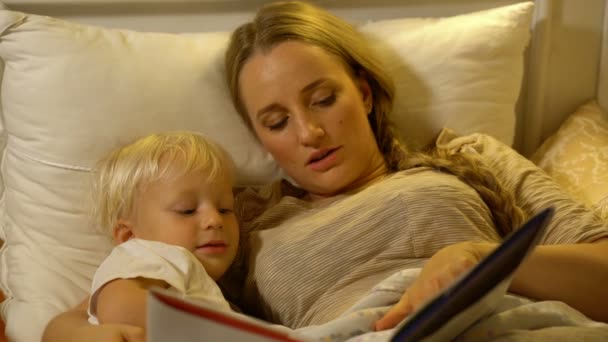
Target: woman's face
(311,114)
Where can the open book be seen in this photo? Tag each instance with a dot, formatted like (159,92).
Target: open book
(473,296)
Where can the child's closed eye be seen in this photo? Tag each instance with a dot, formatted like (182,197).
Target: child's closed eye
(186,212)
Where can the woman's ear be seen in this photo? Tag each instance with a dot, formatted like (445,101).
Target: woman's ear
(123,231)
(366,91)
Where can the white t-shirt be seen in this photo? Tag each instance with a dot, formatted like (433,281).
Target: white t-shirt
(156,260)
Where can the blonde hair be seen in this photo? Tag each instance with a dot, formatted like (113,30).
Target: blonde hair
(127,169)
(298,21)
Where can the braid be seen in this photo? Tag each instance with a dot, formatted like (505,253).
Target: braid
(506,215)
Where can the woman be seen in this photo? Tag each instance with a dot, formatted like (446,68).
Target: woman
(363,205)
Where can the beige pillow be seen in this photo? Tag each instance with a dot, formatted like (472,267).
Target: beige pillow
(533,188)
(576,156)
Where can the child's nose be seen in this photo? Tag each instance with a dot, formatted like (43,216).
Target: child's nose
(212,220)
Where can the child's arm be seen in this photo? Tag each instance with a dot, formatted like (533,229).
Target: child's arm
(72,325)
(124,301)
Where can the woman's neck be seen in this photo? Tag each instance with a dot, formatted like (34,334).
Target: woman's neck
(376,174)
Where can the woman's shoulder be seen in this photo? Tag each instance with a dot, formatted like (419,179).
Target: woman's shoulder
(427,187)
(430,199)
(426,179)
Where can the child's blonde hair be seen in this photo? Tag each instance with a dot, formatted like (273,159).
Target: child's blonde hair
(127,169)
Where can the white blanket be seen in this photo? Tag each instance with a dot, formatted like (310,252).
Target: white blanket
(513,318)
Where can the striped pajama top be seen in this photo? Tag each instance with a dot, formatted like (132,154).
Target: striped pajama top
(304,263)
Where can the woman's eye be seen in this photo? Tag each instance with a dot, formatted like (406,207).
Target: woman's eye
(278,125)
(225,211)
(326,101)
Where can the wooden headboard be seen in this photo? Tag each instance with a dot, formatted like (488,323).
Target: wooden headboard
(565,67)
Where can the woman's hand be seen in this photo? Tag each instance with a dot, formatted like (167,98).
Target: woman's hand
(438,273)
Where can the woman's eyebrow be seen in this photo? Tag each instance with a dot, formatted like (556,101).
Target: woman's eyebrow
(269,108)
(307,88)
(313,85)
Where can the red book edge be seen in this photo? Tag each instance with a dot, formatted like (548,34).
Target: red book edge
(221,318)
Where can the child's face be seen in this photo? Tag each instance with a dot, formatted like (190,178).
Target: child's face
(190,212)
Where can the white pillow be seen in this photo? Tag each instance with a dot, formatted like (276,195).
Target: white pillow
(462,72)
(72,92)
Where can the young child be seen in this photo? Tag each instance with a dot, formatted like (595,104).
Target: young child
(166,200)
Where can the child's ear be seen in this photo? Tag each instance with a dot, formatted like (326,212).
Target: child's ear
(123,231)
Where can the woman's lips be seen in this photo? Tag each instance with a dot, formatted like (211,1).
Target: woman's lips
(328,160)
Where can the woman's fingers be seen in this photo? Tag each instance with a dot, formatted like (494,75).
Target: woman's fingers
(462,266)
(395,314)
(411,300)
(452,272)
(424,289)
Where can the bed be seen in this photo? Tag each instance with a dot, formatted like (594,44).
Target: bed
(532,74)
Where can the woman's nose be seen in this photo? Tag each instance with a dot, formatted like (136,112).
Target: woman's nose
(310,130)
